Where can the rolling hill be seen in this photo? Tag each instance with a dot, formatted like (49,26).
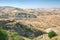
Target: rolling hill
(31,23)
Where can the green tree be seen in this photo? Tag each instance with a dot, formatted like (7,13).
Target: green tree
(3,34)
(51,34)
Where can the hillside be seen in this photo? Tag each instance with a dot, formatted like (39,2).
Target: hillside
(31,23)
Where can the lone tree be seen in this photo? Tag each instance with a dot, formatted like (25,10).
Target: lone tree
(51,34)
(3,34)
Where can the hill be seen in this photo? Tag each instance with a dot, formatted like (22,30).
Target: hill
(31,23)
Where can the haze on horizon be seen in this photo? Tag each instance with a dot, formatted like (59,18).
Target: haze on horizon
(31,3)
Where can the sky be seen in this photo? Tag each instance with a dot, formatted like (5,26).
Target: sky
(31,3)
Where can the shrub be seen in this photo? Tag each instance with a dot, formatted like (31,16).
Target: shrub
(3,34)
(15,36)
(51,34)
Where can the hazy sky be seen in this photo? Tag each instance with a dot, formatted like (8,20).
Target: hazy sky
(31,3)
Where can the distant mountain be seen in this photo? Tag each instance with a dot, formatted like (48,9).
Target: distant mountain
(18,13)
(8,12)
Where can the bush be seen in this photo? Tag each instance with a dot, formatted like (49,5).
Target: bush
(3,34)
(15,36)
(51,34)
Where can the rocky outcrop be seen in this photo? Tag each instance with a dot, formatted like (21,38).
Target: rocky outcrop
(25,16)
